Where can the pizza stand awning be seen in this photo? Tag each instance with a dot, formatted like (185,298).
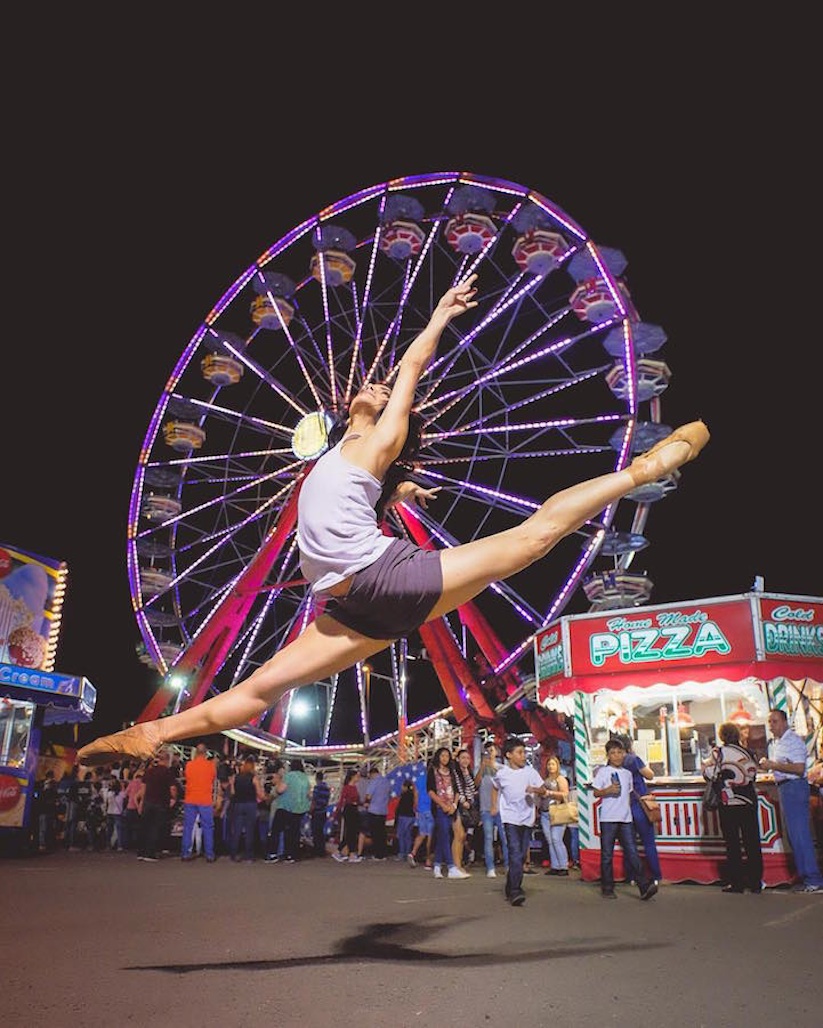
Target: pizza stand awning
(762,636)
(64,699)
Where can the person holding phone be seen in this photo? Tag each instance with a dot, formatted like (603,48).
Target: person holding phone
(612,785)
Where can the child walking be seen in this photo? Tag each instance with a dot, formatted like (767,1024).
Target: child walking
(517,784)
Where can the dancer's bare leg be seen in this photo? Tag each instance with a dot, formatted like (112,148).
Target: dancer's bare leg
(324,647)
(470,568)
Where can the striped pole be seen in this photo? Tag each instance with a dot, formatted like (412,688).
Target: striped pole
(582,771)
(780,697)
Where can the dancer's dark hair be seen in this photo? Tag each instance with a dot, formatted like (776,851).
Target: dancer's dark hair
(400,470)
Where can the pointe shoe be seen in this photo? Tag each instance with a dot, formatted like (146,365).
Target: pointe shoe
(650,466)
(140,742)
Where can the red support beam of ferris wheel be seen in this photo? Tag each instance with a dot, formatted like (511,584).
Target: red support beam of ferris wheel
(459,684)
(213,643)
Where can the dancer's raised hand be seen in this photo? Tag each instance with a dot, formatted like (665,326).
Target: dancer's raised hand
(458,299)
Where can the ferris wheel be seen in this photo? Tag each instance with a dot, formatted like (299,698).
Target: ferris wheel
(547,382)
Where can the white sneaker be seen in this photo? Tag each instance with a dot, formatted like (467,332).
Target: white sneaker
(411,861)
(438,873)
(355,858)
(491,874)
(458,872)
(338,856)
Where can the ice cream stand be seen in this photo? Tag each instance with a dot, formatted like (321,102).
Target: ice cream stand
(668,676)
(33,695)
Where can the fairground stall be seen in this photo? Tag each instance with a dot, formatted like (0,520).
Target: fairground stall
(668,676)
(32,695)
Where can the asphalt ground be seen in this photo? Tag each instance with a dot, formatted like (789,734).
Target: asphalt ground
(102,938)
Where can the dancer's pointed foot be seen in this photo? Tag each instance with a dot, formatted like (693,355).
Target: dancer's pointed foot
(140,742)
(683,445)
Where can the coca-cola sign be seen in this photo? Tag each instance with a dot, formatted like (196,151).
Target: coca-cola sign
(9,792)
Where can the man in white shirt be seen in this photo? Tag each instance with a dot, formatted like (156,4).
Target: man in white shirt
(517,784)
(787,762)
(612,784)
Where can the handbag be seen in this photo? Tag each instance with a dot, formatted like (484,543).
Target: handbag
(563,813)
(651,808)
(470,816)
(711,794)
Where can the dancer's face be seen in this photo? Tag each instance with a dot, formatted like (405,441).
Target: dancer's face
(371,398)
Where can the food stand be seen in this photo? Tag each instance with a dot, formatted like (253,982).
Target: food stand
(668,676)
(32,695)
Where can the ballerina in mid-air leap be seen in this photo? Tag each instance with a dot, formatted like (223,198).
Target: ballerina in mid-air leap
(377,588)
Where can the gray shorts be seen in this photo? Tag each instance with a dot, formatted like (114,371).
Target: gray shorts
(393,596)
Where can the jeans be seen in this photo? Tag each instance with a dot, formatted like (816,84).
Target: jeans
(243,820)
(404,826)
(114,831)
(318,832)
(190,813)
(442,837)
(131,828)
(153,823)
(489,821)
(517,837)
(645,829)
(610,831)
(553,835)
(277,835)
(294,821)
(794,802)
(574,843)
(377,829)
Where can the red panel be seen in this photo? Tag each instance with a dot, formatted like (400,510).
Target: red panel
(659,639)
(792,628)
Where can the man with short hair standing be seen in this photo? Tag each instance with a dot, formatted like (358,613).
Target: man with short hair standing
(200,775)
(489,812)
(154,804)
(378,791)
(787,762)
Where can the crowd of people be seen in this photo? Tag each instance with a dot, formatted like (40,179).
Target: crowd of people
(445,818)
(203,805)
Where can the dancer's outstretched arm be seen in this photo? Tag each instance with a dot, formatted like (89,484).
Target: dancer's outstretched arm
(384,444)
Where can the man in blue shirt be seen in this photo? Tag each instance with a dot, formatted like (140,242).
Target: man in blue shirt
(378,790)
(788,765)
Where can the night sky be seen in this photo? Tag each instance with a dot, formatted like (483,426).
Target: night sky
(158,171)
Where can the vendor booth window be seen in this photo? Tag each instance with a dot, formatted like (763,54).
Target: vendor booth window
(15,726)
(673,729)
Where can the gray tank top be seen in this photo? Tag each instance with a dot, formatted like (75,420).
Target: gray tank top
(337,531)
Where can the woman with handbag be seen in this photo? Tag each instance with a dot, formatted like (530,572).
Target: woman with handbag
(468,810)
(643,825)
(558,793)
(441,785)
(737,768)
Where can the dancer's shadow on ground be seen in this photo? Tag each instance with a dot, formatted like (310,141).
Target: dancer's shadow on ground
(396,943)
